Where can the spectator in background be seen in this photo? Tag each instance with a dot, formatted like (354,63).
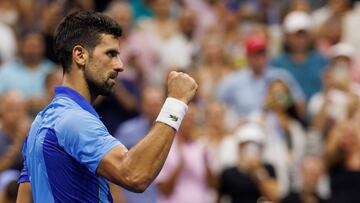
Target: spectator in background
(311,170)
(53,79)
(27,73)
(185,175)
(132,131)
(332,8)
(343,160)
(180,49)
(213,133)
(51,16)
(299,57)
(329,34)
(251,179)
(345,54)
(232,39)
(212,70)
(244,91)
(136,52)
(285,140)
(14,126)
(331,105)
(158,31)
(8,44)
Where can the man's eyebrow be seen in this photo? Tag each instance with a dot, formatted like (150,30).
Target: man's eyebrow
(112,50)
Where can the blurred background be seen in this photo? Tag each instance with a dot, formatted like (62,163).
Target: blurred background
(276,117)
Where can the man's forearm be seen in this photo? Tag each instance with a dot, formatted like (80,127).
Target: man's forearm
(148,156)
(138,167)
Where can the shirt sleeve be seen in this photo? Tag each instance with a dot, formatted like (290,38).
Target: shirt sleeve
(24,174)
(85,138)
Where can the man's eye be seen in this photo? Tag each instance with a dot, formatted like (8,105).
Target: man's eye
(112,54)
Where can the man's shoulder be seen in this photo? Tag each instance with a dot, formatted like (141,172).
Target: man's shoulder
(71,117)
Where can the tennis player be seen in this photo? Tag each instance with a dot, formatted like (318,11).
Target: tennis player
(69,154)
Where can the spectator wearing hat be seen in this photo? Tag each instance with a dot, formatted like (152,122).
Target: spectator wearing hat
(345,54)
(244,91)
(251,179)
(299,57)
(332,104)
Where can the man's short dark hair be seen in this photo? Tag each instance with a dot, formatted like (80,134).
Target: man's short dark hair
(82,28)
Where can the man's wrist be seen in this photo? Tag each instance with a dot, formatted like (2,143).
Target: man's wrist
(172,112)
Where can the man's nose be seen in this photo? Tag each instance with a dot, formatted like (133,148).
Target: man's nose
(119,65)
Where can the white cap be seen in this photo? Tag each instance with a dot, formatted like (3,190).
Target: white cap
(342,49)
(250,132)
(297,21)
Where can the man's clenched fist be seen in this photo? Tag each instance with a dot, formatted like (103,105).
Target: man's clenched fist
(181,86)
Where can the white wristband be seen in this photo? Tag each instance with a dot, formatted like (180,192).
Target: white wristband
(172,112)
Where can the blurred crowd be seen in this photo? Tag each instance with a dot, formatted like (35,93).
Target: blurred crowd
(276,117)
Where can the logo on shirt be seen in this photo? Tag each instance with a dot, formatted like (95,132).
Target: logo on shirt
(173,118)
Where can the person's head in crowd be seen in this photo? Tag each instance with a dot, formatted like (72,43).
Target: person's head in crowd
(213,52)
(152,98)
(51,17)
(231,21)
(187,22)
(79,5)
(337,75)
(161,8)
(331,30)
(343,53)
(32,48)
(338,7)
(279,99)
(297,27)
(215,117)
(250,138)
(53,79)
(312,168)
(256,52)
(12,110)
(122,13)
(9,12)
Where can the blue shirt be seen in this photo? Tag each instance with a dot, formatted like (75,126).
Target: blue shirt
(63,149)
(245,93)
(29,82)
(308,74)
(130,133)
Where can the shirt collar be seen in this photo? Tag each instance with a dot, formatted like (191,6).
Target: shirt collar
(76,97)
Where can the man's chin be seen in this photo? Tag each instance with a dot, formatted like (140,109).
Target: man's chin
(107,91)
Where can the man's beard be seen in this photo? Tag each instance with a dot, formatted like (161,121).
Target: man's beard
(98,88)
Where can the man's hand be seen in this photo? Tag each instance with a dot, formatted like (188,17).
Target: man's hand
(181,86)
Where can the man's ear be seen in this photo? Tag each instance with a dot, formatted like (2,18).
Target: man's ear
(80,55)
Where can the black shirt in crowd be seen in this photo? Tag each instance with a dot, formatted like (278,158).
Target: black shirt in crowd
(240,186)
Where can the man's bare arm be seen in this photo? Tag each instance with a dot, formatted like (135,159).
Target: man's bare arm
(137,168)
(24,193)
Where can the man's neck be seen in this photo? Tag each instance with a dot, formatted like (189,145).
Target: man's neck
(78,83)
